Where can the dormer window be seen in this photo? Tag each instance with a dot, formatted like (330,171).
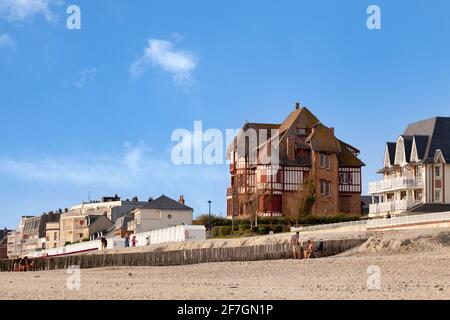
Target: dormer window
(301,131)
(437,172)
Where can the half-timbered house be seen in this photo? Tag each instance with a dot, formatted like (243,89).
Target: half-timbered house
(307,151)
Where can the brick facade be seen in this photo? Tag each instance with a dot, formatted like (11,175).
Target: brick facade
(307,150)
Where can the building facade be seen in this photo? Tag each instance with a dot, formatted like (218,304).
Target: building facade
(52,235)
(308,151)
(161,213)
(416,170)
(112,207)
(34,232)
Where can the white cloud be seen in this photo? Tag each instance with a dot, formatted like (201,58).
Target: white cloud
(85,76)
(6,41)
(18,10)
(162,54)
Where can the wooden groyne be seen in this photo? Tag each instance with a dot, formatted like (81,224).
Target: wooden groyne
(182,257)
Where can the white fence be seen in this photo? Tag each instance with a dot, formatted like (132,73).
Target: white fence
(330,226)
(173,234)
(384,223)
(409,220)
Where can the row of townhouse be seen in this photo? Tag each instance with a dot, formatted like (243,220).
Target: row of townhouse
(94,219)
(416,171)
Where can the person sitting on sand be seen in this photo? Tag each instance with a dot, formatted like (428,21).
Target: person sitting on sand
(309,249)
(31,265)
(25,264)
(17,265)
(295,242)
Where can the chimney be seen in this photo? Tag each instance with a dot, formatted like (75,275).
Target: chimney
(181,200)
(332,131)
(297,105)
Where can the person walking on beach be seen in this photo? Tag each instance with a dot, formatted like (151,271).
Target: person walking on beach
(127,241)
(104,243)
(295,242)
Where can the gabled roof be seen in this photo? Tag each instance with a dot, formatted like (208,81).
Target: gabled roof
(438,131)
(390,148)
(347,158)
(421,143)
(322,140)
(308,119)
(408,142)
(166,203)
(251,126)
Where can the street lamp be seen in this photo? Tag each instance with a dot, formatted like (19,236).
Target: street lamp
(209,211)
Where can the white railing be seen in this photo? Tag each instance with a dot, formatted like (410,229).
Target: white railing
(172,234)
(329,226)
(392,206)
(395,183)
(409,220)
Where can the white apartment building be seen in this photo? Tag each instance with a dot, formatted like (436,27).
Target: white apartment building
(416,171)
(161,213)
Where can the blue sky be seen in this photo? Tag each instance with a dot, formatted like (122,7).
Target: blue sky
(92,110)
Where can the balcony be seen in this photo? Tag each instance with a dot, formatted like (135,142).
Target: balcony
(393,184)
(392,206)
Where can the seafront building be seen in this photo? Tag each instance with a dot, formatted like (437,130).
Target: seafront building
(90,221)
(4,243)
(416,171)
(34,231)
(112,207)
(308,151)
(160,213)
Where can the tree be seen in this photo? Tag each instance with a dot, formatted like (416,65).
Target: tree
(251,205)
(302,201)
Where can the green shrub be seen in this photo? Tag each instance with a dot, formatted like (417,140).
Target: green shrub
(215,220)
(225,230)
(215,232)
(244,227)
(263,230)
(85,240)
(67,243)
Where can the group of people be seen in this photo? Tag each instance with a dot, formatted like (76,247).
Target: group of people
(309,251)
(133,241)
(23,265)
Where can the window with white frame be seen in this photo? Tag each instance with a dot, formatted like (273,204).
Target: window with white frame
(325,188)
(346,178)
(437,171)
(437,196)
(325,161)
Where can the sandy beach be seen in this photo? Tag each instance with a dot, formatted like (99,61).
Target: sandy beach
(413,265)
